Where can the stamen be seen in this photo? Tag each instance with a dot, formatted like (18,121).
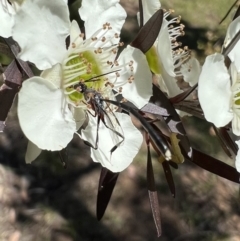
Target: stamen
(86,70)
(176,29)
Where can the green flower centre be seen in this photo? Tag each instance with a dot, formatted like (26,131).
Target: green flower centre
(82,68)
(237,99)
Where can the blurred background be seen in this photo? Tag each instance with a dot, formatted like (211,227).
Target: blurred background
(43,201)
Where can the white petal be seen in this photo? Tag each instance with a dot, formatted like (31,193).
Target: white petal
(6,19)
(106,11)
(79,116)
(149,8)
(191,71)
(233,29)
(158,80)
(214,91)
(140,90)
(237,162)
(54,75)
(40,29)
(234,75)
(165,50)
(43,115)
(123,156)
(236,124)
(74,31)
(171,83)
(32,152)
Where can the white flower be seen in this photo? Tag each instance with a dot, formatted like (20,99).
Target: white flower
(214,91)
(50,105)
(7,12)
(219,99)
(232,30)
(166,59)
(219,87)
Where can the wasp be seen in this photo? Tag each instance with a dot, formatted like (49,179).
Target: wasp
(102,110)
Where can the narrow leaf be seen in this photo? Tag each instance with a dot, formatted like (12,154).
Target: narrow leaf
(154,109)
(225,135)
(150,175)
(173,164)
(7,95)
(223,143)
(169,177)
(215,166)
(141,13)
(180,97)
(149,32)
(190,107)
(12,83)
(231,45)
(63,155)
(15,50)
(237,12)
(173,121)
(107,183)
(153,197)
(4,49)
(13,74)
(229,12)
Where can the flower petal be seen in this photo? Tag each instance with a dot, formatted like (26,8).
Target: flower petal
(165,50)
(236,124)
(140,90)
(40,29)
(43,114)
(107,11)
(214,91)
(149,8)
(191,71)
(32,152)
(171,83)
(54,75)
(233,29)
(79,116)
(123,156)
(6,19)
